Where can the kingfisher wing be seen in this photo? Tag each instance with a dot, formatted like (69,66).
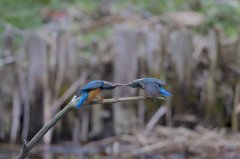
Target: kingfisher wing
(158,81)
(82,99)
(89,86)
(150,88)
(153,80)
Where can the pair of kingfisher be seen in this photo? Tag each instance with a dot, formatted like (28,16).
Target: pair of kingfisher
(152,86)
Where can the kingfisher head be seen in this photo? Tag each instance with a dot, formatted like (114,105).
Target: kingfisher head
(134,83)
(108,85)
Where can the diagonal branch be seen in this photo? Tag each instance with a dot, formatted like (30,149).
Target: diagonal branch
(28,146)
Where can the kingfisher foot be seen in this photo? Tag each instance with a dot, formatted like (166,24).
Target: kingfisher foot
(102,99)
(146,96)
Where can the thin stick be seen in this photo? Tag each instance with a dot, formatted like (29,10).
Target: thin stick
(27,147)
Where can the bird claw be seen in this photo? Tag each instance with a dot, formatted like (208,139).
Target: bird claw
(146,96)
(101,99)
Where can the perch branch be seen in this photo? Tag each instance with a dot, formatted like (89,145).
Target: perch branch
(28,146)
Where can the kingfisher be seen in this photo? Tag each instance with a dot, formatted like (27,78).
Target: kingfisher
(92,89)
(152,86)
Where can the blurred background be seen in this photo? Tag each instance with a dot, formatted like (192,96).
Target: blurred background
(51,48)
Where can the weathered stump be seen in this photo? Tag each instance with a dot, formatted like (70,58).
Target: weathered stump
(235,115)
(181,50)
(36,50)
(211,86)
(8,82)
(125,66)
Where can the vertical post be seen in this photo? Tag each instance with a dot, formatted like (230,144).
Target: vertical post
(154,56)
(142,73)
(7,83)
(181,50)
(61,63)
(15,126)
(47,95)
(154,53)
(2,133)
(71,61)
(235,115)
(125,64)
(211,102)
(58,71)
(36,50)
(85,124)
(25,100)
(96,116)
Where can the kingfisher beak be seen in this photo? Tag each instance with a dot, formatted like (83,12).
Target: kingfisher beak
(112,84)
(121,84)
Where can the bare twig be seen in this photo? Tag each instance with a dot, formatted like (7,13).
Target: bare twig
(27,147)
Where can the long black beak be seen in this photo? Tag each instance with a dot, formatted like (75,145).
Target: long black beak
(121,84)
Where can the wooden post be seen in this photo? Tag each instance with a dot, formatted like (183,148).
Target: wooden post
(15,126)
(85,124)
(61,63)
(96,116)
(71,60)
(67,73)
(7,82)
(154,58)
(36,50)
(142,73)
(154,53)
(125,66)
(96,120)
(181,50)
(58,71)
(235,115)
(211,101)
(25,99)
(2,133)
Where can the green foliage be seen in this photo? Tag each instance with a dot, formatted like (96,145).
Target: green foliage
(224,15)
(25,14)
(87,6)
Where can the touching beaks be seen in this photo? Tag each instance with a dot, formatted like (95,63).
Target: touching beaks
(121,84)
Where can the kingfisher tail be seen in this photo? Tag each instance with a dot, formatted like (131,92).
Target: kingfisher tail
(164,92)
(82,99)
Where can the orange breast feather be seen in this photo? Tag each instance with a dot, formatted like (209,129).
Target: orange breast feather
(93,94)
